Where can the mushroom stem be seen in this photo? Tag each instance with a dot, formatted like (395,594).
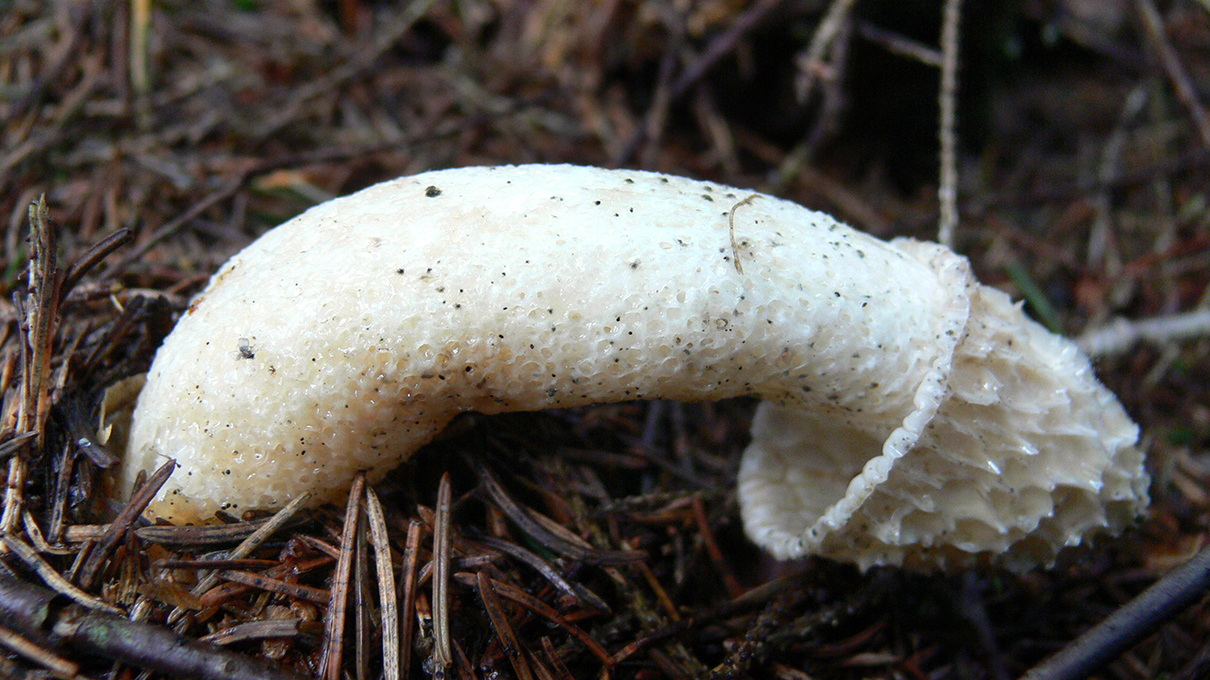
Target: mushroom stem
(910,413)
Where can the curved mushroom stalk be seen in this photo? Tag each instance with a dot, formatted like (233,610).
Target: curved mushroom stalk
(910,414)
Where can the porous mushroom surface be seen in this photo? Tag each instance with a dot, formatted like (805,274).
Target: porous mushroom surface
(909,413)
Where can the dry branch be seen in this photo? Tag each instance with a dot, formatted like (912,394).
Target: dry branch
(41,615)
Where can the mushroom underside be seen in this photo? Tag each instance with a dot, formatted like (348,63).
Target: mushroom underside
(1027,454)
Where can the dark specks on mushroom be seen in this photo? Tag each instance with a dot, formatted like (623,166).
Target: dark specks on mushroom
(432,191)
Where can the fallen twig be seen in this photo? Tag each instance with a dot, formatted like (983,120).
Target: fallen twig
(524,556)
(442,658)
(407,581)
(53,578)
(40,614)
(1119,335)
(91,571)
(547,538)
(387,597)
(1131,623)
(1186,91)
(505,634)
(716,50)
(947,190)
(339,598)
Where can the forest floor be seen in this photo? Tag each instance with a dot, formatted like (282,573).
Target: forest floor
(1080,170)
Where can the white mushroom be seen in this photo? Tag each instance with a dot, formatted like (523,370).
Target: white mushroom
(910,414)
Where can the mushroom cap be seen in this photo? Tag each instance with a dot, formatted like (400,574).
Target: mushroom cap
(910,415)
(1027,453)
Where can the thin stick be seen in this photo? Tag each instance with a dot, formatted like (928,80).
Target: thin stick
(41,615)
(719,47)
(947,191)
(542,609)
(442,658)
(14,446)
(749,600)
(734,589)
(661,97)
(237,181)
(246,547)
(549,538)
(37,540)
(363,603)
(273,585)
(576,590)
(58,502)
(811,64)
(31,650)
(1185,90)
(506,636)
(724,44)
(91,571)
(235,585)
(173,225)
(1100,241)
(99,251)
(140,19)
(41,315)
(552,656)
(739,269)
(407,578)
(360,61)
(1119,335)
(387,597)
(53,578)
(1131,623)
(330,667)
(897,43)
